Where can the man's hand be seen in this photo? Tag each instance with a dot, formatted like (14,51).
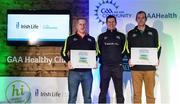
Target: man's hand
(70,65)
(96,65)
(157,63)
(129,62)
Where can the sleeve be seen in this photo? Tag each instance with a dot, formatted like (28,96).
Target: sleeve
(98,46)
(157,43)
(128,45)
(123,44)
(94,47)
(65,50)
(94,44)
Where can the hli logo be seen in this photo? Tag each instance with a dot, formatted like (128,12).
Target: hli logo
(18,92)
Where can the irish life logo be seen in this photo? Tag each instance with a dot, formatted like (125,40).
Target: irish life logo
(18,92)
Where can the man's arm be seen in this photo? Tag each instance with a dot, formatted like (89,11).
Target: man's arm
(123,44)
(128,45)
(157,43)
(65,50)
(98,46)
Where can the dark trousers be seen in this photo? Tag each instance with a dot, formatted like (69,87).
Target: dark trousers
(106,73)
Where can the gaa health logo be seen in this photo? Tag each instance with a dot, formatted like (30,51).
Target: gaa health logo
(18,91)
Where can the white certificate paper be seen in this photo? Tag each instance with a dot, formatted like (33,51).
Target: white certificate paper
(144,56)
(83,58)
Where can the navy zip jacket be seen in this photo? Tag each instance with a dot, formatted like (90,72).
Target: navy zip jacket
(147,39)
(111,47)
(76,42)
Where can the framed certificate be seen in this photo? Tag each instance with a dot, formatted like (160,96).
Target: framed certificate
(144,56)
(83,58)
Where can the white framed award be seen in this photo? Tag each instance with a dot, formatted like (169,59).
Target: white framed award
(144,56)
(83,58)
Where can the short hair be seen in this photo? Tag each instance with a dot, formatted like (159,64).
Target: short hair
(111,16)
(80,18)
(141,12)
